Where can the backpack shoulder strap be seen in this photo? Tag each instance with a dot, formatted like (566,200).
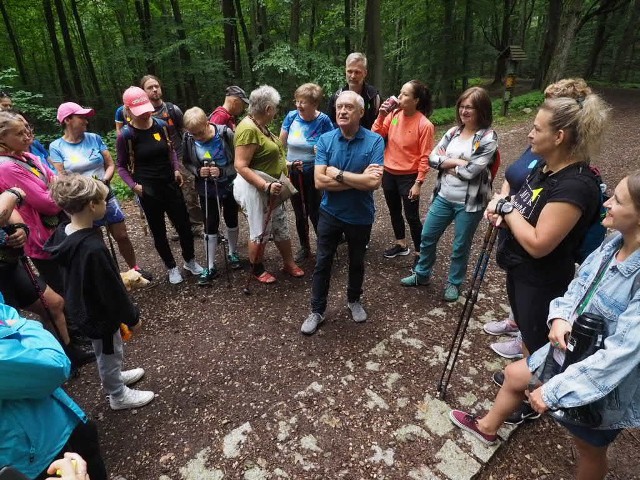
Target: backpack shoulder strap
(127,134)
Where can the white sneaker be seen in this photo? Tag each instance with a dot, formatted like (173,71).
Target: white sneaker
(175,276)
(129,377)
(131,399)
(193,267)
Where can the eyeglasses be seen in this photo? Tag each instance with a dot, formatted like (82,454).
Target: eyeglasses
(467,108)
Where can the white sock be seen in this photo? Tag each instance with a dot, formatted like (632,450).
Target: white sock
(232,238)
(211,241)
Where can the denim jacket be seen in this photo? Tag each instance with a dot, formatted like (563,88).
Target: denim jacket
(612,374)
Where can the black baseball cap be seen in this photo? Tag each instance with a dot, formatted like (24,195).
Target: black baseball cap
(235,91)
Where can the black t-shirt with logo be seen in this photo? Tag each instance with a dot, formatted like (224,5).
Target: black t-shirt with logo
(152,155)
(575,184)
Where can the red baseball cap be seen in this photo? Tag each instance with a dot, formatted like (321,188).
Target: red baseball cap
(137,101)
(69,108)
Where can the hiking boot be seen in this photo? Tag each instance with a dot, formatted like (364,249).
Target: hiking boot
(358,313)
(498,378)
(311,324)
(469,423)
(77,355)
(302,254)
(147,275)
(396,250)
(234,260)
(174,276)
(193,267)
(415,280)
(503,327)
(131,399)
(511,348)
(129,377)
(451,292)
(523,413)
(207,276)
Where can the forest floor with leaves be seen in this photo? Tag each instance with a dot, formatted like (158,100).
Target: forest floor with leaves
(241,394)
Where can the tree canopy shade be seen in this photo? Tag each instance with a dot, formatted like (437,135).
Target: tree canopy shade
(89,51)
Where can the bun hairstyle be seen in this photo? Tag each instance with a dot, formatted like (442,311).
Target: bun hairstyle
(583,120)
(568,87)
(423,94)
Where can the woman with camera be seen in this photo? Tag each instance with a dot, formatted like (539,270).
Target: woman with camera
(607,285)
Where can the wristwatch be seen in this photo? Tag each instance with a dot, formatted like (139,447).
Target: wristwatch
(505,208)
(340,176)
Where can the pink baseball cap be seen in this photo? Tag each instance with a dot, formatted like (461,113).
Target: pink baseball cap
(69,108)
(137,100)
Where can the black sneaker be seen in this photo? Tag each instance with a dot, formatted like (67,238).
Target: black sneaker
(396,250)
(498,378)
(524,412)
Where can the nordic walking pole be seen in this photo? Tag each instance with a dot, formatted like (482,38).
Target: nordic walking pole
(206,216)
(261,245)
(221,238)
(111,247)
(26,263)
(467,310)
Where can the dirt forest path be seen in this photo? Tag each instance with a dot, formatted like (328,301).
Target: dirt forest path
(241,394)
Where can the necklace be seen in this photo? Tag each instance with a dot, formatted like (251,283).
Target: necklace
(264,130)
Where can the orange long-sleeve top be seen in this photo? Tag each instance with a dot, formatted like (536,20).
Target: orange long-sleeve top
(409,142)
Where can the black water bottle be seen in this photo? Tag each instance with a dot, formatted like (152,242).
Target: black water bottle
(587,337)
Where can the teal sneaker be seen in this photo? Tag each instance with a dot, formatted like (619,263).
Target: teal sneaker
(207,276)
(451,292)
(234,260)
(415,280)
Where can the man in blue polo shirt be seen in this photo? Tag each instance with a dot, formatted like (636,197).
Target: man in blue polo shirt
(348,168)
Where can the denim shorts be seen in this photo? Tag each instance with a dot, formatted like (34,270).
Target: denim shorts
(592,436)
(114,213)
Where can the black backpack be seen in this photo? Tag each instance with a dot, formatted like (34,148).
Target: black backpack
(596,233)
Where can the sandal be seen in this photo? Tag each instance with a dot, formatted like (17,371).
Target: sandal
(265,277)
(295,271)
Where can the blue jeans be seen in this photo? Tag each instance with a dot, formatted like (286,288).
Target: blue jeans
(330,230)
(440,215)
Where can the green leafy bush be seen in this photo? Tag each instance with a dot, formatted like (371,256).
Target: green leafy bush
(121,189)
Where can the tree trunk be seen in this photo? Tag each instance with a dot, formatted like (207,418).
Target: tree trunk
(596,47)
(570,20)
(185,56)
(373,41)
(445,73)
(144,21)
(347,27)
(505,41)
(626,42)
(85,48)
(15,46)
(65,85)
(312,25)
(467,42)
(294,32)
(554,13)
(68,47)
(248,44)
(121,20)
(230,34)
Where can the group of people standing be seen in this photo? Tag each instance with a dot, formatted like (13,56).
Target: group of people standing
(335,161)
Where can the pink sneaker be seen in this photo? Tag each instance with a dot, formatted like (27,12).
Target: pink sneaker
(503,327)
(469,423)
(511,349)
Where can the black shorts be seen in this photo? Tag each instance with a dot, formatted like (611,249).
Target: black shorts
(592,436)
(16,285)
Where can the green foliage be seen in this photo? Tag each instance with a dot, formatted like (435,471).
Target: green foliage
(530,100)
(121,189)
(443,116)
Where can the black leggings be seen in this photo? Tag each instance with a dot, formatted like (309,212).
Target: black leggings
(212,220)
(158,199)
(312,198)
(85,442)
(396,193)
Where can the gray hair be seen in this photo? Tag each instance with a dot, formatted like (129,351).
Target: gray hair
(357,97)
(261,98)
(356,57)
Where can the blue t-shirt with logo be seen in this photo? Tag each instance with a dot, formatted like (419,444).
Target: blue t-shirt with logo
(84,158)
(303,136)
(351,206)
